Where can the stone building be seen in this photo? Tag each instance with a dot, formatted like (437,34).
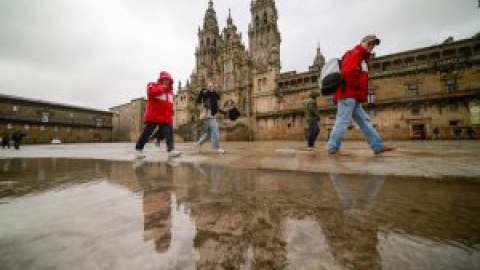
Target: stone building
(411,93)
(128,120)
(44,121)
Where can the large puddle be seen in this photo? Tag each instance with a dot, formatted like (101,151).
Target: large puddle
(94,214)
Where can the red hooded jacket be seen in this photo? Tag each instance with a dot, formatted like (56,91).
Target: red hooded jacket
(354,71)
(159,108)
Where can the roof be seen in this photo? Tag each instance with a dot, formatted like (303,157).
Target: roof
(57,104)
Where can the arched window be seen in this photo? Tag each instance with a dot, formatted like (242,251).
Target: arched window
(229,104)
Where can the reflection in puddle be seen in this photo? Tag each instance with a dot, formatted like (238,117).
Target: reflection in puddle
(93,214)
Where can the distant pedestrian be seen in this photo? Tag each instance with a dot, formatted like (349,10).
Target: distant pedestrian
(350,96)
(209,98)
(436,134)
(312,116)
(5,140)
(17,138)
(158,114)
(457,132)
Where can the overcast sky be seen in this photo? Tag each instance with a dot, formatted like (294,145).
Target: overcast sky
(101,53)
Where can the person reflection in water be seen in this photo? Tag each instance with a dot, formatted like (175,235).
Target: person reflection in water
(156,204)
(211,174)
(356,241)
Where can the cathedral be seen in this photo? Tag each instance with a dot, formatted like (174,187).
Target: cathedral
(248,78)
(411,93)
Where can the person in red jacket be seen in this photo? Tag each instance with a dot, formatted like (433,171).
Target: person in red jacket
(350,96)
(158,114)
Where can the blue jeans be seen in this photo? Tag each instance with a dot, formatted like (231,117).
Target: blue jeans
(347,109)
(212,131)
(347,195)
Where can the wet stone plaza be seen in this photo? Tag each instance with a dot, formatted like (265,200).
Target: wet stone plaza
(262,205)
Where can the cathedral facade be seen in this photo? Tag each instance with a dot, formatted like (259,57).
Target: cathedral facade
(245,78)
(411,93)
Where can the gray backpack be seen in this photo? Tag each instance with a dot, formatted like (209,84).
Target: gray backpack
(330,77)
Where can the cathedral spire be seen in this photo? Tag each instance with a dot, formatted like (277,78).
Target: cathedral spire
(229,19)
(319,58)
(318,61)
(210,19)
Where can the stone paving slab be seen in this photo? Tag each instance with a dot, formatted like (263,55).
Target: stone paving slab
(412,158)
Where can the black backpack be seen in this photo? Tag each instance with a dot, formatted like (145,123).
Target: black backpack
(233,114)
(330,77)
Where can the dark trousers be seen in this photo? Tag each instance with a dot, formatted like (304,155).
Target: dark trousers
(165,129)
(16,143)
(312,131)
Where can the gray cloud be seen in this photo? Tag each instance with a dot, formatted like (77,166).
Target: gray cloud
(102,53)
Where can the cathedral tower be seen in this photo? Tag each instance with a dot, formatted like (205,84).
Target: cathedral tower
(209,40)
(264,39)
(264,35)
(235,70)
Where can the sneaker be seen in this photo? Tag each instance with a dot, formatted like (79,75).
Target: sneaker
(310,149)
(174,153)
(385,149)
(139,154)
(221,151)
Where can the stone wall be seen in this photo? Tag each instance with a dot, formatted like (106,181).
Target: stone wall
(128,120)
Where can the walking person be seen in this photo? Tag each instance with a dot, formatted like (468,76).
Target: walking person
(312,116)
(6,141)
(436,134)
(209,98)
(17,138)
(457,132)
(350,96)
(158,114)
